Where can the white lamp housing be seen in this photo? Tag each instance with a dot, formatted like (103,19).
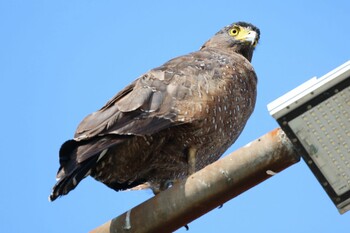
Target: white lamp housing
(316,118)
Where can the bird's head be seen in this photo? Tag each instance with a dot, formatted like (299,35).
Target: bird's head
(240,37)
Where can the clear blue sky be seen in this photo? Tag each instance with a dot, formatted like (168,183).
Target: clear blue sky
(61,60)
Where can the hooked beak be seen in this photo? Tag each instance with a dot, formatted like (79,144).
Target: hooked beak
(248,36)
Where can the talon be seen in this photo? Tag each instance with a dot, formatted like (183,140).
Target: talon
(168,184)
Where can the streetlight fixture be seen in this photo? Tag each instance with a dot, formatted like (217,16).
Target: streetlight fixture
(316,118)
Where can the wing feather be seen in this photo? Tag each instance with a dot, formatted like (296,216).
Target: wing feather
(163,97)
(144,107)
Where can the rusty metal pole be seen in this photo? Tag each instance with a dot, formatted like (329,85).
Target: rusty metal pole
(208,188)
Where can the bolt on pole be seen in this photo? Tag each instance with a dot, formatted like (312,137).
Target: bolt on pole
(208,188)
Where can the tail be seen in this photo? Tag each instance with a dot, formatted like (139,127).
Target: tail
(69,181)
(77,158)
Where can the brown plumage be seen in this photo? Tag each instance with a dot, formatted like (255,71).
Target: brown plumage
(170,122)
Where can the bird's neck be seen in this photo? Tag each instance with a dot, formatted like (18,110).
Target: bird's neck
(244,50)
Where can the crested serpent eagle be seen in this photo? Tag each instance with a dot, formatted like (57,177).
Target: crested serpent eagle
(168,123)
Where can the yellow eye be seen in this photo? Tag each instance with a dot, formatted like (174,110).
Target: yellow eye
(234,31)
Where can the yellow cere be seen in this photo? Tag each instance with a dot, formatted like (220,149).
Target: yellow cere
(243,34)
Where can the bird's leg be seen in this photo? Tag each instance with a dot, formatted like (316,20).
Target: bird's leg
(192,160)
(192,151)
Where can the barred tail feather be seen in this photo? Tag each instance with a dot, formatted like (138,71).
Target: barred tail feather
(69,181)
(77,158)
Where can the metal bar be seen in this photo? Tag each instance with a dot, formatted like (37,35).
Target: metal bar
(208,188)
